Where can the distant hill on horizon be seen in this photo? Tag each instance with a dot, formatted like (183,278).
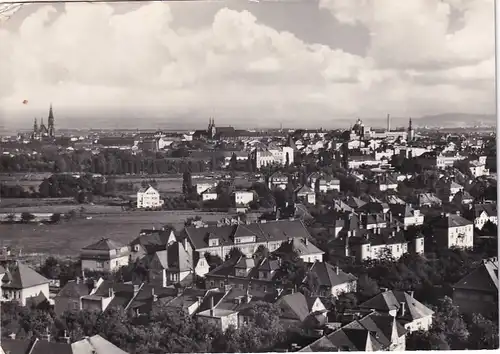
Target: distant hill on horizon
(453,120)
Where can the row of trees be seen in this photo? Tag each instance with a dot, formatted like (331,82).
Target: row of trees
(163,330)
(106,162)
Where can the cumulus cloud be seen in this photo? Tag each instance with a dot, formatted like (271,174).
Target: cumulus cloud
(90,56)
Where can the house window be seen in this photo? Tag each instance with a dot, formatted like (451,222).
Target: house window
(221,284)
(212,284)
(99,264)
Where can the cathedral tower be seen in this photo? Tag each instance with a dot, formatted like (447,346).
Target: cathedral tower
(411,131)
(51,126)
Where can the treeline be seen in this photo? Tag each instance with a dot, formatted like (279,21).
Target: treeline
(106,163)
(163,330)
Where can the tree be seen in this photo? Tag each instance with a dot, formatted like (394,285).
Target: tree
(51,268)
(483,333)
(234,253)
(449,322)
(261,252)
(421,340)
(367,287)
(55,218)
(187,183)
(27,217)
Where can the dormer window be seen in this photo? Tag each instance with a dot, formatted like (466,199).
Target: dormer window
(213,242)
(137,248)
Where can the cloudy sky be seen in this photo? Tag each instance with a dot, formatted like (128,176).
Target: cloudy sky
(295,62)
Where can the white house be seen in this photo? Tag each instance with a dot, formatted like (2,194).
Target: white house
(22,283)
(412,314)
(148,198)
(330,280)
(209,194)
(484,213)
(105,255)
(454,231)
(243,197)
(478,167)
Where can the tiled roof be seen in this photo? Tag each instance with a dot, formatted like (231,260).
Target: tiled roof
(104,244)
(483,278)
(95,345)
(490,209)
(74,289)
(270,231)
(302,247)
(327,274)
(294,306)
(391,300)
(174,258)
(23,277)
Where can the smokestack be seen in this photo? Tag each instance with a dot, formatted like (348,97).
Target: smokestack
(388,122)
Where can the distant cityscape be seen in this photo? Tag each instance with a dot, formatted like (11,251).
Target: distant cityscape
(309,239)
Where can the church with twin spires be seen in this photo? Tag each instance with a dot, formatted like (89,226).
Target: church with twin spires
(43,131)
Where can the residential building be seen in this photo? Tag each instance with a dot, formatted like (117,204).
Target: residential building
(298,309)
(243,197)
(148,198)
(411,313)
(478,167)
(277,180)
(89,345)
(484,213)
(203,186)
(105,255)
(209,194)
(306,195)
(373,332)
(150,241)
(218,240)
(376,243)
(22,283)
(446,189)
(170,266)
(453,230)
(477,292)
(407,215)
(69,298)
(302,247)
(329,280)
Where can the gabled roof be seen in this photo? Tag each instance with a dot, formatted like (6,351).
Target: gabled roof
(304,190)
(245,263)
(75,289)
(104,244)
(294,306)
(23,277)
(174,258)
(391,300)
(490,209)
(483,278)
(269,231)
(327,274)
(95,345)
(152,240)
(302,247)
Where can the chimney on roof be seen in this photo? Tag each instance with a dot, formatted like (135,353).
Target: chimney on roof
(136,289)
(65,338)
(384,290)
(46,336)
(306,241)
(412,293)
(12,336)
(179,291)
(211,306)
(337,270)
(402,308)
(111,292)
(77,280)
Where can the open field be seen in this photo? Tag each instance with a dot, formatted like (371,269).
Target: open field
(69,237)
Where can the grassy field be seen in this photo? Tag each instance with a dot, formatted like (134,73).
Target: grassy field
(67,238)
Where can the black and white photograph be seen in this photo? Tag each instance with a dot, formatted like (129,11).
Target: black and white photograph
(248,176)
